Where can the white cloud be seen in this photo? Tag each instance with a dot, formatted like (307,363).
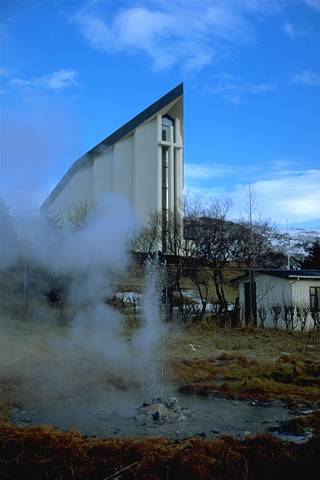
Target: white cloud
(294,196)
(292,31)
(179,31)
(233,88)
(262,87)
(196,171)
(3,72)
(54,81)
(289,29)
(235,98)
(313,4)
(307,77)
(190,33)
(138,29)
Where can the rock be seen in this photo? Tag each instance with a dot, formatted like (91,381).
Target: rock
(273,429)
(292,428)
(161,411)
(171,402)
(215,431)
(156,416)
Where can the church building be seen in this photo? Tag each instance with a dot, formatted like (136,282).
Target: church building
(142,161)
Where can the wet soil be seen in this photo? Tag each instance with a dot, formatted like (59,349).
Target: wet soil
(116,413)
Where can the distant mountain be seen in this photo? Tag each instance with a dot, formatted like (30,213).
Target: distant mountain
(298,236)
(303,234)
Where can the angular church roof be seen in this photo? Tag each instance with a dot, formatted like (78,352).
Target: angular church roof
(117,135)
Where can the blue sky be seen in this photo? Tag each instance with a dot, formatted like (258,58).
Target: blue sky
(74,71)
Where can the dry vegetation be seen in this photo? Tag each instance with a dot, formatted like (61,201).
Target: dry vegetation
(242,363)
(45,453)
(246,363)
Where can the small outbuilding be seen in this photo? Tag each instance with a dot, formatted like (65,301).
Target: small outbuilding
(281,298)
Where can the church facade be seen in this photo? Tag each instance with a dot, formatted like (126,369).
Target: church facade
(142,161)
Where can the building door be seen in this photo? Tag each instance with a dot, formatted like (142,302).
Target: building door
(250,303)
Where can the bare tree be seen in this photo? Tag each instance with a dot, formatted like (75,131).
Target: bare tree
(148,239)
(288,314)
(276,312)
(78,216)
(213,239)
(302,311)
(262,312)
(315,315)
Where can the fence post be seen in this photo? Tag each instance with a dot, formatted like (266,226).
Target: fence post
(25,287)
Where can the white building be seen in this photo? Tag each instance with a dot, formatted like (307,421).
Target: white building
(282,298)
(142,160)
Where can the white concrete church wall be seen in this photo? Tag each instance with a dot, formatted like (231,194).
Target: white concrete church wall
(123,153)
(76,191)
(146,172)
(102,174)
(130,166)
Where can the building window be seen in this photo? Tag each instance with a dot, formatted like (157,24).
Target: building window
(165,194)
(315,298)
(166,123)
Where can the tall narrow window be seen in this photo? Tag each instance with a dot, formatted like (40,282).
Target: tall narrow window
(315,298)
(165,194)
(166,123)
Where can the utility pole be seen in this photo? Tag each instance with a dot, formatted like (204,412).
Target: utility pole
(252,255)
(288,247)
(25,286)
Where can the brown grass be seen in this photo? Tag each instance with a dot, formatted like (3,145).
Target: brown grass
(45,453)
(242,377)
(264,365)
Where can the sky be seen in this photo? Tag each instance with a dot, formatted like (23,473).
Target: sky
(73,71)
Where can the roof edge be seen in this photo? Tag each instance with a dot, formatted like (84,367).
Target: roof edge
(285,274)
(87,159)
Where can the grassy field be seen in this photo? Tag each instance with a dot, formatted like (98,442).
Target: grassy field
(245,363)
(204,359)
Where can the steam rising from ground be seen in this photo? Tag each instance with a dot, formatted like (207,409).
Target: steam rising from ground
(47,361)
